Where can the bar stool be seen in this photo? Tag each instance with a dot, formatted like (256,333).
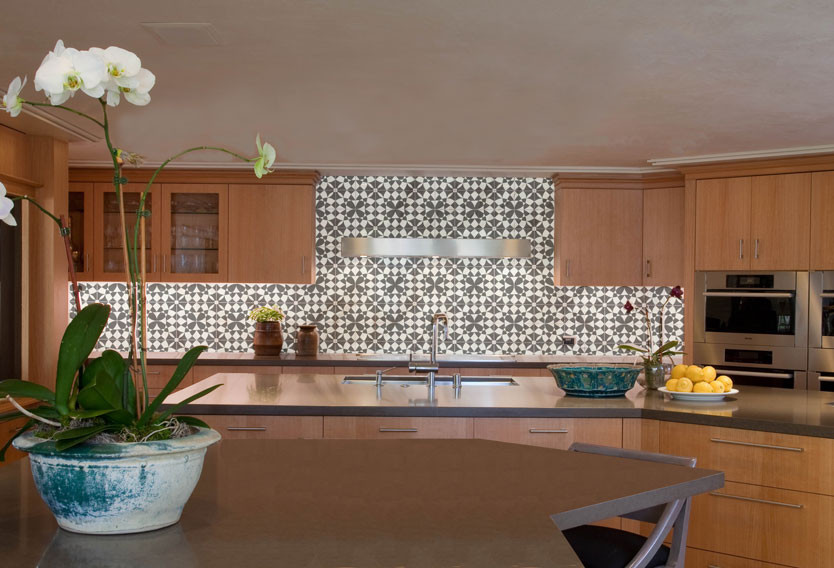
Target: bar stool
(605,547)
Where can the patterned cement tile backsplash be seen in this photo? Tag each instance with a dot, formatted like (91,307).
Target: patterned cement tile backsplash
(384,305)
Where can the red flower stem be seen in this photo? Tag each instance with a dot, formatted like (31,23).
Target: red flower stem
(70,263)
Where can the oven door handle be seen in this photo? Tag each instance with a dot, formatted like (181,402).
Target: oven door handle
(827,295)
(765,374)
(827,378)
(750,294)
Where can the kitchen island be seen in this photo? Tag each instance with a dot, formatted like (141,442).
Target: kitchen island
(364,503)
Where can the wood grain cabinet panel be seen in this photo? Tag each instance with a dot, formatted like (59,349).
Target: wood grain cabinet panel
(7,430)
(822,228)
(272,233)
(722,215)
(557,433)
(800,463)
(762,523)
(386,427)
(780,222)
(242,427)
(663,216)
(599,237)
(696,558)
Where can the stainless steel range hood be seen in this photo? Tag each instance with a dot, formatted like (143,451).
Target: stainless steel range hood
(444,248)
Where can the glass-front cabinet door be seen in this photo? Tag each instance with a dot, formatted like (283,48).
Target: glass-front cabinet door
(80,222)
(109,257)
(193,235)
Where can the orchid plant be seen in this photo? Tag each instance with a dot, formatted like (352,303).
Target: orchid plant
(650,355)
(106,396)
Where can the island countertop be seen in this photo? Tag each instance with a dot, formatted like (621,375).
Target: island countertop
(799,412)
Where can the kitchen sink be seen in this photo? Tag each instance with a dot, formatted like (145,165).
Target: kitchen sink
(440,380)
(444,357)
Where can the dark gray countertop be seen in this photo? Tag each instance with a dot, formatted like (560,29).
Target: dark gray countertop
(363,503)
(382,360)
(754,408)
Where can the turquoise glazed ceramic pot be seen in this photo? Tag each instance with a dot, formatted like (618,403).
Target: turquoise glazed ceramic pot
(117,488)
(595,380)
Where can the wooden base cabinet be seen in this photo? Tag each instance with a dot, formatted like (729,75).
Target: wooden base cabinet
(557,433)
(762,523)
(251,427)
(389,427)
(7,430)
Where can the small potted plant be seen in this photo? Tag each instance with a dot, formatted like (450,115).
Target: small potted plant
(654,371)
(269,337)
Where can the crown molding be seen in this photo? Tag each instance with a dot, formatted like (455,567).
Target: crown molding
(396,169)
(742,156)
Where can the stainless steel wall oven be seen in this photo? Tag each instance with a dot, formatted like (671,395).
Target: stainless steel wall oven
(754,325)
(821,331)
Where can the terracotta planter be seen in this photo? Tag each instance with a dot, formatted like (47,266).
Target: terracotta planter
(269,338)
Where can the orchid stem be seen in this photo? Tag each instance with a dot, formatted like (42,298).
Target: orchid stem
(72,110)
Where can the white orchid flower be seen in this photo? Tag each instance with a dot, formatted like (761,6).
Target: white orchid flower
(265,159)
(140,94)
(6,206)
(124,71)
(66,70)
(12,102)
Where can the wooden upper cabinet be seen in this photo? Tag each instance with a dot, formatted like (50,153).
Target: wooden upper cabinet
(81,220)
(780,222)
(663,217)
(822,228)
(722,217)
(599,237)
(194,232)
(108,253)
(272,233)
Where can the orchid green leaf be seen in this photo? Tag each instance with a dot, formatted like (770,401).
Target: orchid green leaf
(78,342)
(188,400)
(26,389)
(182,369)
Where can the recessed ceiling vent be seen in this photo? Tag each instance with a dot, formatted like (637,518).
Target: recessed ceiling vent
(184,34)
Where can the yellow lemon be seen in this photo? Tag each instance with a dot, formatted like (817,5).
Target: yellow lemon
(718,386)
(679,371)
(695,373)
(702,386)
(728,382)
(672,384)
(684,385)
(709,374)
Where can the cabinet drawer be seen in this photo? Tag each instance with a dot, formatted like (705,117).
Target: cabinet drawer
(801,463)
(696,558)
(370,427)
(766,524)
(557,433)
(239,427)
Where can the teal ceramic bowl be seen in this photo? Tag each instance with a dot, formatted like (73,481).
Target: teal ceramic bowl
(595,379)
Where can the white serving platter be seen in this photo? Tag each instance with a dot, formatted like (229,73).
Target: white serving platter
(698,396)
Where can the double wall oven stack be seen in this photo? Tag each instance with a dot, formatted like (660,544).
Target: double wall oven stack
(821,332)
(753,326)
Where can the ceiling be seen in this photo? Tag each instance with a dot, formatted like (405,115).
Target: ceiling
(453,85)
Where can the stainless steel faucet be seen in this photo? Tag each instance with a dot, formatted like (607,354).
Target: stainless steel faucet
(432,367)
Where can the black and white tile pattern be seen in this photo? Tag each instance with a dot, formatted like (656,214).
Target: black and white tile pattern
(385,304)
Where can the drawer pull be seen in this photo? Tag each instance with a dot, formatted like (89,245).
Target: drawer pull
(398,429)
(712,566)
(767,446)
(752,500)
(246,428)
(153,372)
(548,431)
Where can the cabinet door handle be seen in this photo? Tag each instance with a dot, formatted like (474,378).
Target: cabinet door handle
(548,431)
(164,263)
(153,372)
(153,269)
(751,444)
(762,501)
(648,269)
(303,265)
(756,248)
(567,268)
(741,248)
(86,262)
(398,429)
(246,428)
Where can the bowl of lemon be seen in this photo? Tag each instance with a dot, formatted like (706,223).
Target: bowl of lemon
(694,383)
